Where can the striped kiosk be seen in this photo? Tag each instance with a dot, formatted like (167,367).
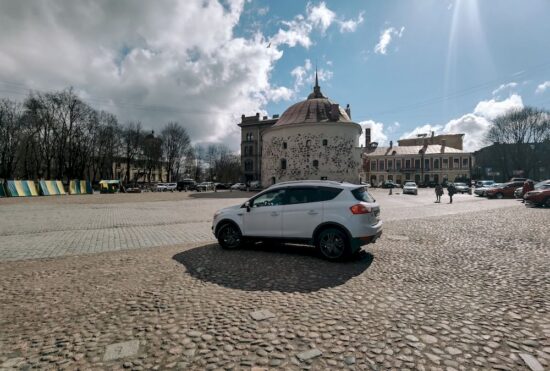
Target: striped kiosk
(51,187)
(80,187)
(2,191)
(21,188)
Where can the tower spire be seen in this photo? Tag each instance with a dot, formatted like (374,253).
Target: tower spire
(316,79)
(316,89)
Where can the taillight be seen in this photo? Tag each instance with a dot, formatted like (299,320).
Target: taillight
(359,209)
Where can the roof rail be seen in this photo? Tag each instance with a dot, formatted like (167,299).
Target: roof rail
(306,181)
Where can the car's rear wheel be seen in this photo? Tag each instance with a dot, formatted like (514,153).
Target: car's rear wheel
(229,236)
(333,244)
(499,196)
(546,202)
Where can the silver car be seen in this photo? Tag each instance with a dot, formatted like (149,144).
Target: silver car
(482,191)
(410,188)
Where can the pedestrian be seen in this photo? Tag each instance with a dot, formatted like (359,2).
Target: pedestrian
(451,190)
(528,186)
(438,193)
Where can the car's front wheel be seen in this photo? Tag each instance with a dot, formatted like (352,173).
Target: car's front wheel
(333,244)
(499,196)
(229,236)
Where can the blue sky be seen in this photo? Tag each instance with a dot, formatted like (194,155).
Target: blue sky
(450,56)
(405,67)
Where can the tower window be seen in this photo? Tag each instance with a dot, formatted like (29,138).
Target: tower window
(284,145)
(325,142)
(308,143)
(283,164)
(315,163)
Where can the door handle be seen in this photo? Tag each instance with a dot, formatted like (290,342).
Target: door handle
(312,212)
(274,213)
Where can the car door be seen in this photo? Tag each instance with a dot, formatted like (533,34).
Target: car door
(302,212)
(264,218)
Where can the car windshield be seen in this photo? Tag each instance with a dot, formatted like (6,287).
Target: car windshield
(362,194)
(460,184)
(545,184)
(410,184)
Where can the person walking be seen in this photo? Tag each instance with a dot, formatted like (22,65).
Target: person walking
(451,190)
(438,193)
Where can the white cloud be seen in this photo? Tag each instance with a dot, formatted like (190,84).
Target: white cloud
(297,33)
(320,16)
(263,11)
(299,73)
(386,37)
(473,125)
(280,93)
(350,25)
(542,87)
(503,87)
(377,132)
(305,75)
(492,108)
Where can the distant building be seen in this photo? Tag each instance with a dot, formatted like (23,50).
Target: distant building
(502,161)
(252,129)
(313,139)
(418,160)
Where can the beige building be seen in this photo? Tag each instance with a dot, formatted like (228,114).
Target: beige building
(422,163)
(313,139)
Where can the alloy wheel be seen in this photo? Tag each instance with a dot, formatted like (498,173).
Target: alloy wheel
(332,244)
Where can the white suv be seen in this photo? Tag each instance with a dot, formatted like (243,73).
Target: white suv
(338,218)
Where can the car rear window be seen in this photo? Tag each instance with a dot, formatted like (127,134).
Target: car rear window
(361,194)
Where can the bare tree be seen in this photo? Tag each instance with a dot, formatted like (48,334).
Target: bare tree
(152,153)
(175,142)
(132,137)
(10,136)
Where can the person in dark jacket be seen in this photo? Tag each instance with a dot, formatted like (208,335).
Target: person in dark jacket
(438,193)
(451,190)
(528,186)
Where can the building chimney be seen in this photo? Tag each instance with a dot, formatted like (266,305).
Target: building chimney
(433,133)
(443,145)
(391,143)
(265,118)
(348,111)
(367,137)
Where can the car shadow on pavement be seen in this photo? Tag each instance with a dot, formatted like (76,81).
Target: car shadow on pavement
(222,194)
(270,267)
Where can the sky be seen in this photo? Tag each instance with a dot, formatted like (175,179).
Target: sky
(405,67)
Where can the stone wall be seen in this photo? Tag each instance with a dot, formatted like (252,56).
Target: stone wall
(338,160)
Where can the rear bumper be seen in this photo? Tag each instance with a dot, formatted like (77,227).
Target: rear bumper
(357,242)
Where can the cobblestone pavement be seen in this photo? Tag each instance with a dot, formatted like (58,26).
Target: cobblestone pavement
(461,292)
(48,227)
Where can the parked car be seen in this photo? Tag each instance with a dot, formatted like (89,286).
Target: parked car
(432,184)
(171,186)
(482,191)
(410,188)
(504,190)
(186,185)
(337,218)
(484,183)
(239,186)
(205,186)
(540,196)
(389,184)
(461,187)
(160,187)
(518,180)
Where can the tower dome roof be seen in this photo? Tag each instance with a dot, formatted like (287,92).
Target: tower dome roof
(315,109)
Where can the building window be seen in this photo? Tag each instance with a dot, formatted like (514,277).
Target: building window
(465,163)
(284,145)
(248,165)
(445,163)
(381,165)
(283,164)
(373,165)
(436,163)
(390,164)
(427,164)
(398,165)
(325,142)
(407,164)
(456,163)
(417,164)
(316,163)
(308,143)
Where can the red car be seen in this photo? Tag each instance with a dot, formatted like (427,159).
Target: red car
(540,196)
(505,190)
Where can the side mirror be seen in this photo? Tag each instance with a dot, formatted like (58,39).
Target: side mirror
(247,205)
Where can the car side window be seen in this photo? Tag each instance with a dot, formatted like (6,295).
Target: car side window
(273,198)
(301,195)
(328,193)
